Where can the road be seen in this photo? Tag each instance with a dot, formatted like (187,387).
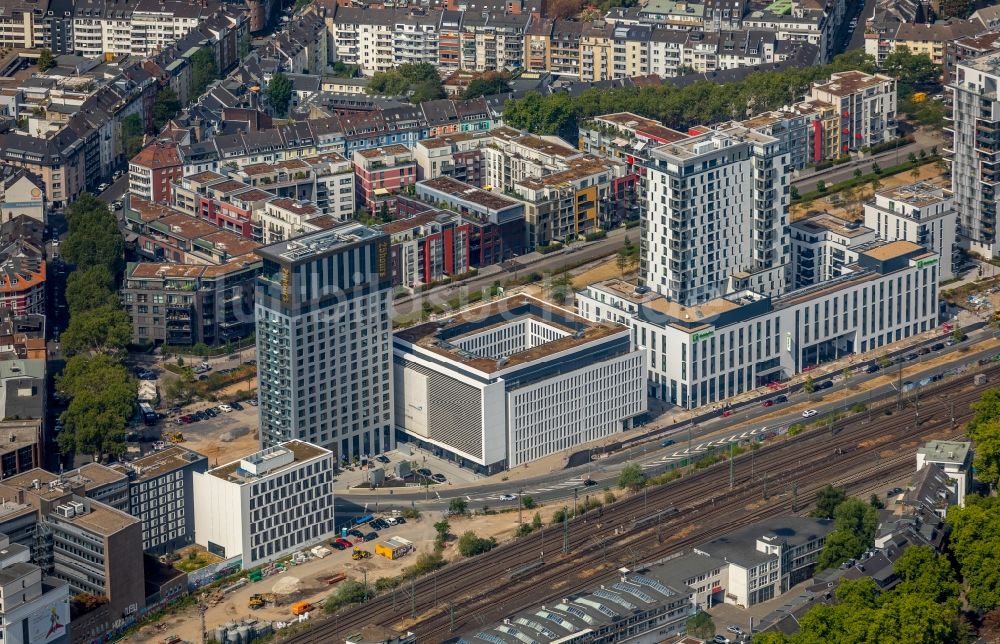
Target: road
(709,428)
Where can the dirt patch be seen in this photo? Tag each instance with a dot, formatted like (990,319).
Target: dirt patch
(873,442)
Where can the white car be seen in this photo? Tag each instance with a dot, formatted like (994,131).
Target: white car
(225,408)
(507,497)
(809,413)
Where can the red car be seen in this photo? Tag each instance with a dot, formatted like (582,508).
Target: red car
(767,403)
(345,543)
(728,412)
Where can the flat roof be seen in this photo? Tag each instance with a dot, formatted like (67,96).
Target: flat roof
(301,451)
(825,221)
(437,336)
(891,250)
(100,518)
(16,434)
(374,153)
(95,475)
(579,169)
(915,194)
(318,244)
(850,82)
(945,451)
(159,463)
(470,193)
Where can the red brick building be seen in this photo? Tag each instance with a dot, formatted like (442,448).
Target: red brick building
(153,170)
(381,174)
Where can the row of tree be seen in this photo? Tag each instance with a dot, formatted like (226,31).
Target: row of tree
(705,101)
(100,389)
(419,81)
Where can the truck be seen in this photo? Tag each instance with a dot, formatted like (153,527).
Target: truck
(301,608)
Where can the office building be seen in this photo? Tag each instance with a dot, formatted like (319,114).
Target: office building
(34,608)
(161,495)
(324,341)
(920,213)
(704,353)
(715,217)
(269,504)
(514,381)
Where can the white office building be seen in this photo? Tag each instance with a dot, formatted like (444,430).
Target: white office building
(33,609)
(715,219)
(707,352)
(324,346)
(266,505)
(921,213)
(514,381)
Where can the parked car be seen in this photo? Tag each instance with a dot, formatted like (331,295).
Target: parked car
(767,403)
(225,408)
(922,351)
(423,471)
(872,368)
(727,412)
(735,630)
(781,399)
(894,491)
(666,443)
(382,458)
(809,413)
(371,536)
(336,545)
(400,520)
(380,524)
(720,639)
(344,542)
(440,478)
(356,533)
(252,401)
(910,357)
(826,384)
(938,346)
(589,482)
(236,405)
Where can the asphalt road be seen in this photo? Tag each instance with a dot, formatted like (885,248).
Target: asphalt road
(653,458)
(846,171)
(116,190)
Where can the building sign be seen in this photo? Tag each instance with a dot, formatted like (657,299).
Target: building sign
(788,340)
(922,263)
(22,204)
(701,335)
(48,624)
(382,252)
(286,285)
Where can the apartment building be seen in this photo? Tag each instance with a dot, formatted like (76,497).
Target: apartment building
(822,245)
(21,193)
(152,172)
(504,215)
(867,106)
(975,153)
(921,213)
(22,278)
(188,304)
(704,353)
(266,505)
(382,173)
(34,606)
(20,450)
(532,380)
(323,341)
(457,155)
(430,246)
(161,495)
(737,177)
(284,218)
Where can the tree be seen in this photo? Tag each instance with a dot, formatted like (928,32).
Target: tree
(913,72)
(631,477)
(561,9)
(243,46)
(924,572)
(975,544)
(132,135)
(527,502)
(442,527)
(536,521)
(827,500)
(876,502)
(279,93)
(884,361)
(809,385)
(700,625)
(89,288)
(821,186)
(956,8)
(46,60)
(104,329)
(857,173)
(987,455)
(794,193)
(876,168)
(428,90)
(93,238)
(102,397)
(487,85)
(340,69)
(204,70)
(839,547)
(621,261)
(470,545)
(856,517)
(165,107)
(957,334)
(458,505)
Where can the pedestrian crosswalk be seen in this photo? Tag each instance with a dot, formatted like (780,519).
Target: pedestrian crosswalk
(577,481)
(696,450)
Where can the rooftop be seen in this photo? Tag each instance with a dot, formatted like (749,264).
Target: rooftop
(18,433)
(825,221)
(318,244)
(159,463)
(100,519)
(851,82)
(469,193)
(892,250)
(918,194)
(444,336)
(945,451)
(295,451)
(386,150)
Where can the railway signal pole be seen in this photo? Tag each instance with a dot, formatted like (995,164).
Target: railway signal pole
(730,466)
(565,530)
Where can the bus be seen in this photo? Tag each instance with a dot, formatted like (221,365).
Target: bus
(148,415)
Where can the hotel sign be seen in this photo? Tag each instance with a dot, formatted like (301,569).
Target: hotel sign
(701,335)
(286,285)
(922,263)
(382,259)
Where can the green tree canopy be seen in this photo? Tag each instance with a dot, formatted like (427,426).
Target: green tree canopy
(924,572)
(89,288)
(913,72)
(827,500)
(631,477)
(279,93)
(93,238)
(102,402)
(165,107)
(470,545)
(487,85)
(46,60)
(420,81)
(103,329)
(975,544)
(700,625)
(204,70)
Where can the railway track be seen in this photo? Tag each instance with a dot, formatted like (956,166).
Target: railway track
(475,592)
